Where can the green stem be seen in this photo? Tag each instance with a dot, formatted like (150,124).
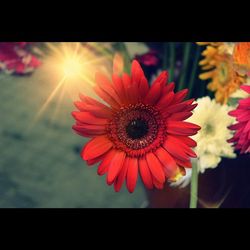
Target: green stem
(187,50)
(203,90)
(172,61)
(165,56)
(194,186)
(194,70)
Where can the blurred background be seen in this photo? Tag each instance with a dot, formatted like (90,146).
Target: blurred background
(40,165)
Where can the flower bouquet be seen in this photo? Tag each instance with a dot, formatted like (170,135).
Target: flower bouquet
(175,116)
(150,130)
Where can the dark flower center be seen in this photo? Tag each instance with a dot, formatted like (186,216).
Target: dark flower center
(136,129)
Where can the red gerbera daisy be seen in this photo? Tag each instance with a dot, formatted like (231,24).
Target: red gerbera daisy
(140,130)
(241,138)
(14,58)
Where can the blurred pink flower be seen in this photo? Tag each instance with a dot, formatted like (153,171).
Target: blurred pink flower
(241,138)
(15,58)
(148,59)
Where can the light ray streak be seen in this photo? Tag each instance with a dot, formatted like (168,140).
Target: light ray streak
(75,66)
(58,103)
(102,50)
(53,48)
(215,204)
(44,106)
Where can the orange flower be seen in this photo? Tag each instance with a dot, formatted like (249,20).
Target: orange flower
(215,44)
(241,57)
(219,68)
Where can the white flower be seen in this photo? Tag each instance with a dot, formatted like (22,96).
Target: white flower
(212,139)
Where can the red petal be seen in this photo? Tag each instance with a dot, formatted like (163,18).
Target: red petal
(115,166)
(165,100)
(181,116)
(132,174)
(247,127)
(121,176)
(156,89)
(90,100)
(104,165)
(107,87)
(80,105)
(102,113)
(108,98)
(244,116)
(145,173)
(244,104)
(179,107)
(134,93)
(190,107)
(246,88)
(95,160)
(235,112)
(167,161)
(143,87)
(163,78)
(236,126)
(96,147)
(118,86)
(93,127)
(126,81)
(85,134)
(231,140)
(178,142)
(185,164)
(168,88)
(136,72)
(177,149)
(188,141)
(155,167)
(157,184)
(102,79)
(86,117)
(93,106)
(179,96)
(181,128)
(90,131)
(132,89)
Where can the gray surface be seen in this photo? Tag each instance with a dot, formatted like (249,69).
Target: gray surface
(40,166)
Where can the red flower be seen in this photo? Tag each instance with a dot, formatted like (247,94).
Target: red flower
(15,58)
(241,138)
(140,131)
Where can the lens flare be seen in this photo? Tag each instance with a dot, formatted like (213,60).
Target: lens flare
(75,62)
(72,66)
